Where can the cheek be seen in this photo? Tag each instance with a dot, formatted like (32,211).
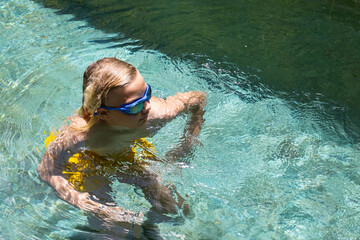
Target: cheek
(127,118)
(121,119)
(117,117)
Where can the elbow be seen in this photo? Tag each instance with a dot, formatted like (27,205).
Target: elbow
(43,174)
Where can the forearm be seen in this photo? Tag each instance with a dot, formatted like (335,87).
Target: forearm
(194,103)
(117,215)
(194,124)
(187,141)
(161,197)
(190,100)
(174,105)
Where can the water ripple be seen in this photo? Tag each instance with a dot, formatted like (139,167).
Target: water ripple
(268,166)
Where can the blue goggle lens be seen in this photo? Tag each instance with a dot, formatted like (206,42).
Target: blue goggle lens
(139,107)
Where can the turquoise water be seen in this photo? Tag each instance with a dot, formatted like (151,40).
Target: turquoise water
(303,47)
(267,167)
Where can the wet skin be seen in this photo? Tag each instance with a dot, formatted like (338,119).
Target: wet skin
(113,133)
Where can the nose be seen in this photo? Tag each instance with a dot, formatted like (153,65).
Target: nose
(146,108)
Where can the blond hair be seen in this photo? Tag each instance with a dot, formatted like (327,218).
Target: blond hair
(99,78)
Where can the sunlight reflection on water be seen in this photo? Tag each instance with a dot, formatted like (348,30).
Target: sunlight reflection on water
(265,168)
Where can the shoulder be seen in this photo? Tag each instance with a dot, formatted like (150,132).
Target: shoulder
(72,134)
(66,141)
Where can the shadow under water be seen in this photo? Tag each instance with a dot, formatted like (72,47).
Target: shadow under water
(308,49)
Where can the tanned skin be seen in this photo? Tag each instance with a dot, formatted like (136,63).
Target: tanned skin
(112,134)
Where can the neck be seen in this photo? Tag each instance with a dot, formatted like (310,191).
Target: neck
(105,139)
(102,126)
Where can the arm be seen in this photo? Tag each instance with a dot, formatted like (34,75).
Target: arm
(189,138)
(160,196)
(172,106)
(118,215)
(190,102)
(58,152)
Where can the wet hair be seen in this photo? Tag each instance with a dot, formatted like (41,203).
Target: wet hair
(99,78)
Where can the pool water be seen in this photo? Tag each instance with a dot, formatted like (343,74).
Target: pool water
(267,167)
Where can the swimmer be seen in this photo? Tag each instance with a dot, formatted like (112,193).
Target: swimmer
(102,141)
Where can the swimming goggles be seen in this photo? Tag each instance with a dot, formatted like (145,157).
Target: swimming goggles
(135,106)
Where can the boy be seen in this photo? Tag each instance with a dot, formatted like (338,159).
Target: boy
(104,138)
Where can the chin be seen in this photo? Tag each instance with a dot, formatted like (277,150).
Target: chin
(142,123)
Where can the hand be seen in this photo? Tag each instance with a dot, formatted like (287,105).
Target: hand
(196,101)
(118,214)
(125,219)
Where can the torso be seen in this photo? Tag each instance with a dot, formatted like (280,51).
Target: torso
(95,153)
(111,140)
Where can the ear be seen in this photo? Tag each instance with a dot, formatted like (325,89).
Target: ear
(103,114)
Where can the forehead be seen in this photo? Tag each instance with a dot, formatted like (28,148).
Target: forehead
(128,93)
